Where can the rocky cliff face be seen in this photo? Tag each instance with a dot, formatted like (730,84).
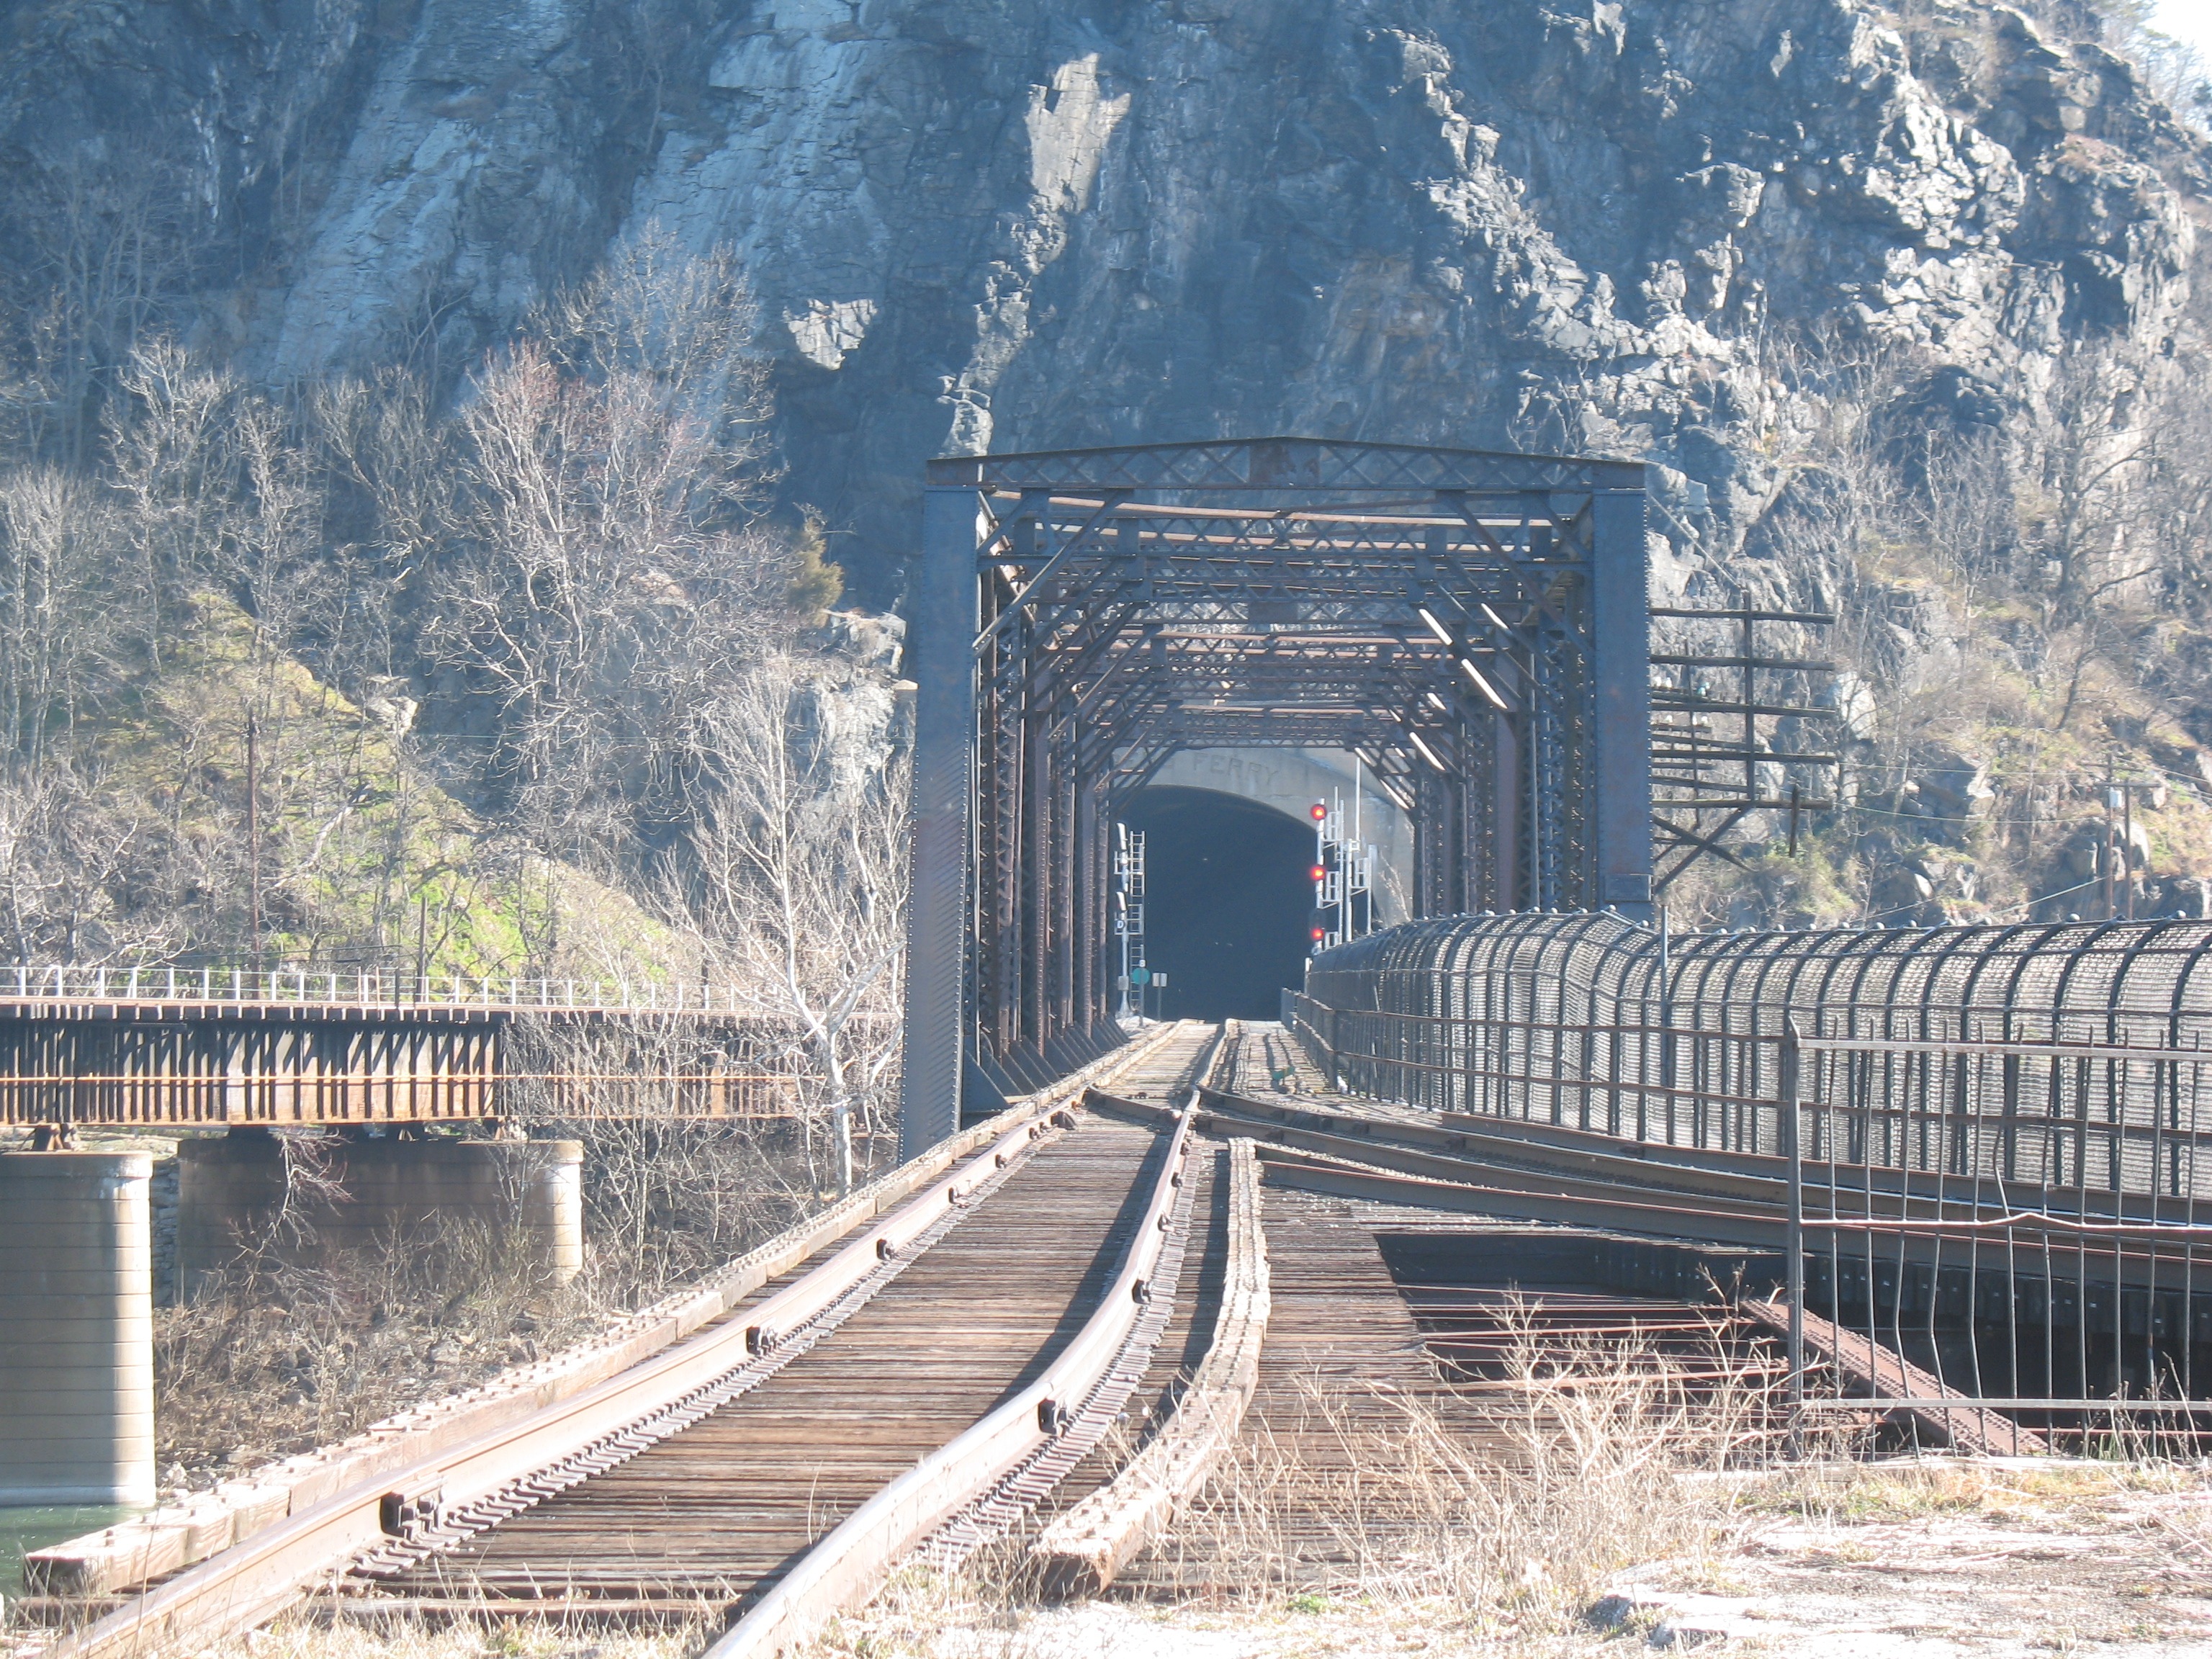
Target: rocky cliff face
(975,223)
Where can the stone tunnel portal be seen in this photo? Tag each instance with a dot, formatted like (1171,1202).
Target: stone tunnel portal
(1291,781)
(1228,901)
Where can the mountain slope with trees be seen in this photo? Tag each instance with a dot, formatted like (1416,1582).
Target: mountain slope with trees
(539,372)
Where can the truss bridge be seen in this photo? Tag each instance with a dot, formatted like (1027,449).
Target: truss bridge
(154,1047)
(1471,626)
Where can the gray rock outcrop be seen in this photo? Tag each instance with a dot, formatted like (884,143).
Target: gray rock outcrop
(975,222)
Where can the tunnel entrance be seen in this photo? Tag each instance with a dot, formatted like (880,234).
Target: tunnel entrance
(1227,902)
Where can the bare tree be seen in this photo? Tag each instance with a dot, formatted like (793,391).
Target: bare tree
(579,544)
(59,596)
(393,468)
(272,561)
(800,871)
(612,572)
(108,241)
(172,464)
(70,857)
(2086,441)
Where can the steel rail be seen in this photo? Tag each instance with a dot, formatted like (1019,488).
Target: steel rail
(254,1580)
(1549,1192)
(1081,1552)
(792,1306)
(1607,1171)
(1649,1213)
(848,1564)
(1632,1210)
(1592,1151)
(1000,1508)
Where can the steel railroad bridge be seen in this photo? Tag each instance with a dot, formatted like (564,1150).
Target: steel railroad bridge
(1473,626)
(157,1047)
(1937,1185)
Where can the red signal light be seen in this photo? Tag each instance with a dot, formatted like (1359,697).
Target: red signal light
(1318,811)
(1320,934)
(1319,872)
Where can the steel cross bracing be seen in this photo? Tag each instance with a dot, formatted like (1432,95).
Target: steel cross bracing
(1471,625)
(1736,731)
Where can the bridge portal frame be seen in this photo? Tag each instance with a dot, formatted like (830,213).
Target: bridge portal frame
(1473,625)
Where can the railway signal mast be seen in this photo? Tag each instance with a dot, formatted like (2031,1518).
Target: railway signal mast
(1343,874)
(1129,913)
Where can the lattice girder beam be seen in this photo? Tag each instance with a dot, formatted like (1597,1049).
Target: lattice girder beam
(1471,624)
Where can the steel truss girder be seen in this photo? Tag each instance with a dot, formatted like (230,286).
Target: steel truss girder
(1274,465)
(1471,624)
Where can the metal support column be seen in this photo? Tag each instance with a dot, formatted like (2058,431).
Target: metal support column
(1792,1107)
(1502,890)
(1621,637)
(945,734)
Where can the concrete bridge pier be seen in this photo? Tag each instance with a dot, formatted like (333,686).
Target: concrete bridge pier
(351,1194)
(76,1328)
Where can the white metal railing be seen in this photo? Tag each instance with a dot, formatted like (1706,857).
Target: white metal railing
(364,988)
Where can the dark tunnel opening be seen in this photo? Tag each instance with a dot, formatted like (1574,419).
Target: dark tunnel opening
(1227,902)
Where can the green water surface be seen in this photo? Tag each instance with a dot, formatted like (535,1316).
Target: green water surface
(22,1529)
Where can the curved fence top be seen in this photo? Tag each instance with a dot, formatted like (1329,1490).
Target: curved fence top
(2128,983)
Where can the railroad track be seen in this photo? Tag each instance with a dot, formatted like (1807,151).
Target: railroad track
(713,1517)
(715,1514)
(996,1314)
(1023,1334)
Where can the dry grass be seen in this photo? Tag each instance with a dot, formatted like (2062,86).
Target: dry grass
(1588,1521)
(1494,1520)
(288,1357)
(1474,1514)
(1512,1500)
(1841,1494)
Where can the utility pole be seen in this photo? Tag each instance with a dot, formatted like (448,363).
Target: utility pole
(2105,863)
(2128,845)
(1791,1108)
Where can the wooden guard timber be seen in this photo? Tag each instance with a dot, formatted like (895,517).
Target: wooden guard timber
(1084,1551)
(1887,1376)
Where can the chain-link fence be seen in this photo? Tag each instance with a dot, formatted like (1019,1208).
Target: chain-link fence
(1983,1147)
